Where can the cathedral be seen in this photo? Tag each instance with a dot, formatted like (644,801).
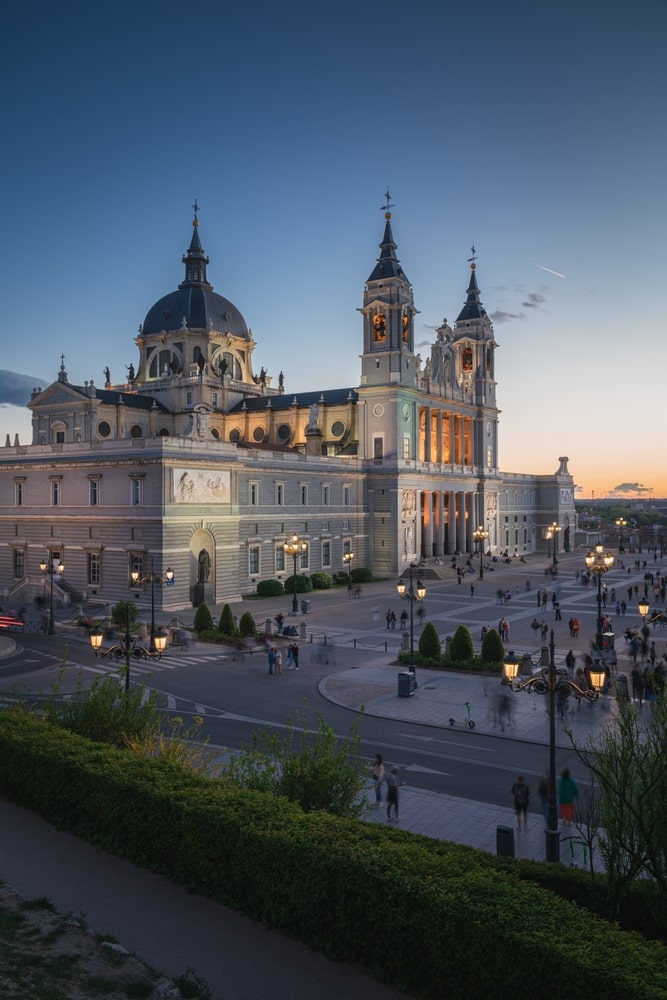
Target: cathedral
(199,464)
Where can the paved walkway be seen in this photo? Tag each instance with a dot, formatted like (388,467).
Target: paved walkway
(171,929)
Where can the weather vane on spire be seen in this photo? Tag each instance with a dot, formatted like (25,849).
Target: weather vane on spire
(471,260)
(196,209)
(389,204)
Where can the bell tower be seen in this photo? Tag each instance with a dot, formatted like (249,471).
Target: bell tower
(388,315)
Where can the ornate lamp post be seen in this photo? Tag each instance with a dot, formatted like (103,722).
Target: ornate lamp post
(295,548)
(599,562)
(552,680)
(47,566)
(347,558)
(152,578)
(554,528)
(412,594)
(620,524)
(480,535)
(643,607)
(127,648)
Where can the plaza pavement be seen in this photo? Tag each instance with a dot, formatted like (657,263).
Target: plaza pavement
(172,929)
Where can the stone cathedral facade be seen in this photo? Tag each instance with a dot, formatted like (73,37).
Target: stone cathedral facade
(196,451)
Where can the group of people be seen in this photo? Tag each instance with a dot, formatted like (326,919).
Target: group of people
(389,777)
(277,660)
(567,794)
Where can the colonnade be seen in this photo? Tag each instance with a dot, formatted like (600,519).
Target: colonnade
(447,520)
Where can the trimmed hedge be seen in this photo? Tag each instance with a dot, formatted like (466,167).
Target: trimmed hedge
(452,922)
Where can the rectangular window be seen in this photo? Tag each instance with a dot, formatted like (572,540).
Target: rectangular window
(377,451)
(137,492)
(253,560)
(325,525)
(280,559)
(305,557)
(19,563)
(19,492)
(55,492)
(254,494)
(93,569)
(346,525)
(347,547)
(326,553)
(406,447)
(304,495)
(94,492)
(214,399)
(346,496)
(280,494)
(326,490)
(136,565)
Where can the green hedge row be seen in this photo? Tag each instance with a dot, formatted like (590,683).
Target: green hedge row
(449,923)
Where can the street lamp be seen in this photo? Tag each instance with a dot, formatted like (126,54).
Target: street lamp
(643,607)
(551,680)
(47,566)
(554,528)
(620,524)
(347,558)
(599,562)
(480,536)
(152,578)
(295,548)
(127,648)
(412,594)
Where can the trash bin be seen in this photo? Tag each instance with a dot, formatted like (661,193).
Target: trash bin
(505,841)
(305,607)
(405,643)
(406,684)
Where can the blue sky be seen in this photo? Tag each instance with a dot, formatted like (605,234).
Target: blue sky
(535,131)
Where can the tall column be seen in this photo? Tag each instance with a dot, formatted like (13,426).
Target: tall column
(427,540)
(451,523)
(427,434)
(439,456)
(438,524)
(461,522)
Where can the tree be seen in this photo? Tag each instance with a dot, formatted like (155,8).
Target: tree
(203,620)
(461,648)
(429,642)
(120,611)
(247,625)
(226,625)
(493,650)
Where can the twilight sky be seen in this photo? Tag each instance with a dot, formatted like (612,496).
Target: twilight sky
(535,131)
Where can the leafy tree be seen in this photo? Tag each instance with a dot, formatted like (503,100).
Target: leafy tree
(120,612)
(493,650)
(461,648)
(203,619)
(247,625)
(226,625)
(429,642)
(104,712)
(361,574)
(311,768)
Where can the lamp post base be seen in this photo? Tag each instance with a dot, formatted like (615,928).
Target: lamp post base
(552,840)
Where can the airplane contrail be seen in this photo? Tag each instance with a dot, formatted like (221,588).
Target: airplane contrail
(557,273)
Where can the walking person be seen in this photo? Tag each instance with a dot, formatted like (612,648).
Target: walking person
(295,655)
(377,774)
(278,661)
(543,792)
(568,793)
(271,653)
(521,793)
(393,784)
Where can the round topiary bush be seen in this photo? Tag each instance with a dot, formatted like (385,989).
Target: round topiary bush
(493,650)
(303,584)
(203,619)
(226,625)
(270,588)
(429,642)
(321,581)
(461,649)
(247,625)
(362,575)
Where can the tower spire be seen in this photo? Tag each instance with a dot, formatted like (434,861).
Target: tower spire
(195,259)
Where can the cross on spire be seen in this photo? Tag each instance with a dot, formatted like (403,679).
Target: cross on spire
(195,208)
(389,203)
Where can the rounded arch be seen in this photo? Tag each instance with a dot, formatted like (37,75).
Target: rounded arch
(202,570)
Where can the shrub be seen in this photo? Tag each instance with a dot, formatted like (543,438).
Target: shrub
(105,712)
(461,648)
(321,581)
(303,584)
(227,625)
(429,642)
(270,588)
(493,650)
(247,625)
(120,612)
(362,575)
(203,618)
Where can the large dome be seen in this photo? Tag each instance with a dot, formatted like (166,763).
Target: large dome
(195,304)
(202,309)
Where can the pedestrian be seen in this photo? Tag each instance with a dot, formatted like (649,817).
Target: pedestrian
(569,663)
(392,619)
(567,797)
(295,655)
(543,792)
(420,615)
(521,793)
(272,658)
(559,616)
(404,620)
(376,614)
(377,774)
(472,589)
(278,661)
(393,785)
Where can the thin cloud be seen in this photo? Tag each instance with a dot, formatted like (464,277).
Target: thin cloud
(505,317)
(534,301)
(632,488)
(16,388)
